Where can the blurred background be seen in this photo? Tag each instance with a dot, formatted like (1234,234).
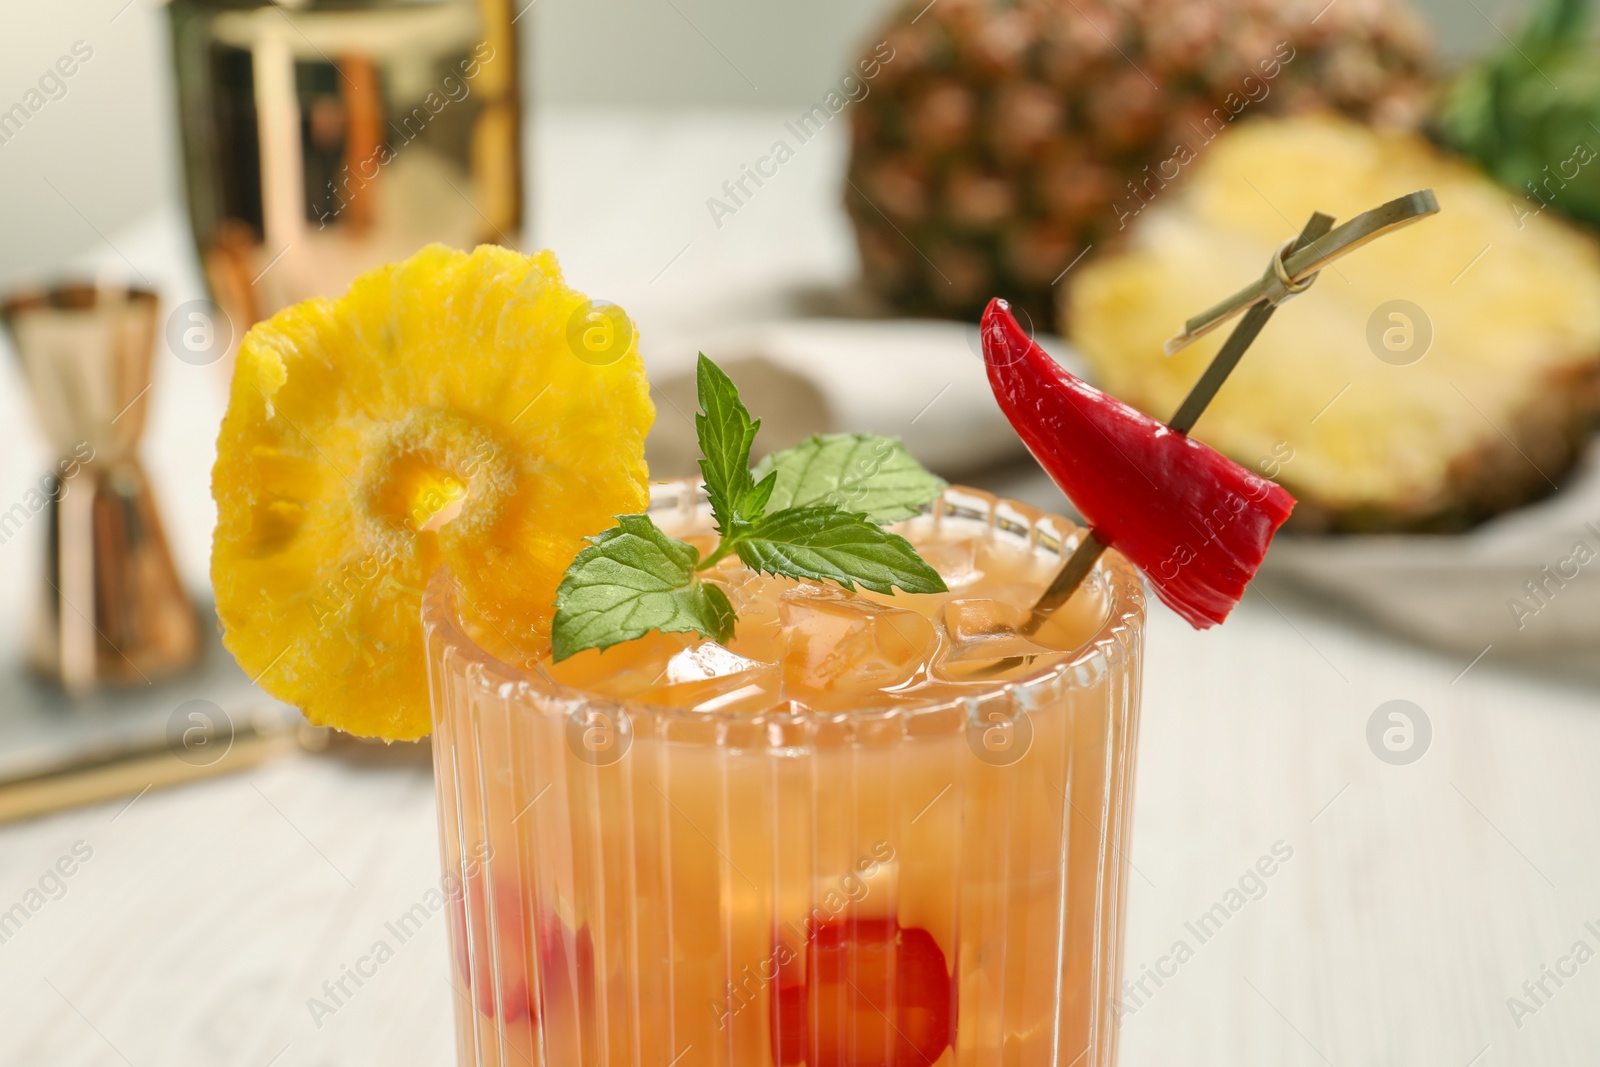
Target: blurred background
(1112,168)
(633,56)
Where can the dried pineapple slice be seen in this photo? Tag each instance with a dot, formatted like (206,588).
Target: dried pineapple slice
(435,415)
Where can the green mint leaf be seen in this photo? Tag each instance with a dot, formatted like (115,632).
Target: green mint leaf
(726,431)
(856,472)
(755,505)
(822,543)
(630,580)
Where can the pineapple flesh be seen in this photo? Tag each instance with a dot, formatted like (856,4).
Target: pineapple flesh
(1428,381)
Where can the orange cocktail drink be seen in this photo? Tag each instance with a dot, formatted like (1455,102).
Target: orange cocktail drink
(868,830)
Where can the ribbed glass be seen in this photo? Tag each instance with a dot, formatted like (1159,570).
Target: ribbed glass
(640,886)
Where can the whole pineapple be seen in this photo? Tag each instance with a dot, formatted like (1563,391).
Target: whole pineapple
(1005,138)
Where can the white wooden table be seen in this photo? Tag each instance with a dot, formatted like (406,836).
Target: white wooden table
(1417,900)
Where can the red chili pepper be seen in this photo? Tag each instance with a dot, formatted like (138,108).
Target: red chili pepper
(1195,522)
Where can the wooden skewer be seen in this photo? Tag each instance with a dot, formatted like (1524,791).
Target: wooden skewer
(1292,270)
(1067,580)
(1301,265)
(1233,349)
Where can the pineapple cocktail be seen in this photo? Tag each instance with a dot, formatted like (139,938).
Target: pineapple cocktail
(866,830)
(814,762)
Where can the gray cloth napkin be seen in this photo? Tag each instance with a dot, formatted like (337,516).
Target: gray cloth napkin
(1526,583)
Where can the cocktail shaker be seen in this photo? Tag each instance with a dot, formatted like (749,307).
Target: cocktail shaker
(322,138)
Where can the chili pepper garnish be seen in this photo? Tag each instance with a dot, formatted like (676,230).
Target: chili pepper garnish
(1195,522)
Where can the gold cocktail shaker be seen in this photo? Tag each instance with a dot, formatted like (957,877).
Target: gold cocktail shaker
(322,138)
(112,606)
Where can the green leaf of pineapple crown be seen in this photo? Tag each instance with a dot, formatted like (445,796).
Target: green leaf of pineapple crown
(808,512)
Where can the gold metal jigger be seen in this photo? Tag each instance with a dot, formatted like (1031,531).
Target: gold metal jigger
(112,609)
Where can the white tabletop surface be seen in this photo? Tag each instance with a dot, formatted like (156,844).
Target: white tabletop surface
(1418,900)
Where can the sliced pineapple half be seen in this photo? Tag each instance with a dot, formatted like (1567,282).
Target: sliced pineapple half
(1428,381)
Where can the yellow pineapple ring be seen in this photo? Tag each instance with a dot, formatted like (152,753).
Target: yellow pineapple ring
(436,414)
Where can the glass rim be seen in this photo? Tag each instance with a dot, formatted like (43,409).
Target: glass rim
(1044,531)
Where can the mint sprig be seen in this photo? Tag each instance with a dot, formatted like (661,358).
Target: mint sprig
(854,471)
(726,432)
(824,544)
(827,497)
(630,580)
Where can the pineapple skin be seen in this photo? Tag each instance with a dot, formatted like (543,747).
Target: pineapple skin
(1007,137)
(1491,415)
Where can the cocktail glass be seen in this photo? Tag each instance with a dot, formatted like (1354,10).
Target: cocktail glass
(894,884)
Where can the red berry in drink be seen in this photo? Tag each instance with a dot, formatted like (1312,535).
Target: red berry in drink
(863,993)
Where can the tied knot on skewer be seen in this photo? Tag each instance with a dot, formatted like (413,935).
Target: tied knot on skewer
(1279,285)
(1294,267)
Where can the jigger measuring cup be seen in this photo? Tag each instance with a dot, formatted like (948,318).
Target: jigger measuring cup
(111,606)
